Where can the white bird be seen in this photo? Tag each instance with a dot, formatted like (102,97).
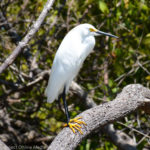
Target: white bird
(73,50)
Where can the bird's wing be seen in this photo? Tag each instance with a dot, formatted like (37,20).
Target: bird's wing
(64,68)
(55,83)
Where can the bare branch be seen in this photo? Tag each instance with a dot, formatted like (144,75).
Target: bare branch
(28,37)
(119,138)
(131,98)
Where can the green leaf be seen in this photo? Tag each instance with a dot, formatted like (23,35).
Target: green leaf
(103,7)
(146,40)
(144,7)
(148,77)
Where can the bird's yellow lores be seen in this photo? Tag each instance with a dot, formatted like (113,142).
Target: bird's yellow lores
(72,52)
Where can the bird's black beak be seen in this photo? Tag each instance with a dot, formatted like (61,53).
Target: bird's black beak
(107,34)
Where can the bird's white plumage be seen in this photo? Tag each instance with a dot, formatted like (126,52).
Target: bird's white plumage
(73,50)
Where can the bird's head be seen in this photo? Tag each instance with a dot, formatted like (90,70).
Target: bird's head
(88,29)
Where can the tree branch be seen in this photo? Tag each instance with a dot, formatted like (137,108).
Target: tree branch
(3,146)
(131,98)
(28,37)
(117,137)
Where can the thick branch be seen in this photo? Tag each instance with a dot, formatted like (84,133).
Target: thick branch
(117,137)
(131,98)
(28,37)
(3,146)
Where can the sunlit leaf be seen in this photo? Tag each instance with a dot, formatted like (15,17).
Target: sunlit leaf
(103,7)
(146,40)
(148,77)
(126,2)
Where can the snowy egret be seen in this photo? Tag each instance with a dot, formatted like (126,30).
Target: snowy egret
(72,52)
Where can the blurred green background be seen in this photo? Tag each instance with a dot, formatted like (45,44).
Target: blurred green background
(114,64)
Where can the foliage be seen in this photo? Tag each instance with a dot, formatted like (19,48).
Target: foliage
(124,61)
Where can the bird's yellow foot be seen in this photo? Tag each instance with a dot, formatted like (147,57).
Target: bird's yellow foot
(74,124)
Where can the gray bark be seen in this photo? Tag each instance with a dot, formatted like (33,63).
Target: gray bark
(3,146)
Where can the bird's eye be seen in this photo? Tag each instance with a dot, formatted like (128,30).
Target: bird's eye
(92,30)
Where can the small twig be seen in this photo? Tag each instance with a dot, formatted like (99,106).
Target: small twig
(138,62)
(147,136)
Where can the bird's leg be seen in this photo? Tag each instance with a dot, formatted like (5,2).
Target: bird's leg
(65,106)
(59,103)
(71,123)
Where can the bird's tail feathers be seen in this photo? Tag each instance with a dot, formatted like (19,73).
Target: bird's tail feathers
(52,93)
(50,96)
